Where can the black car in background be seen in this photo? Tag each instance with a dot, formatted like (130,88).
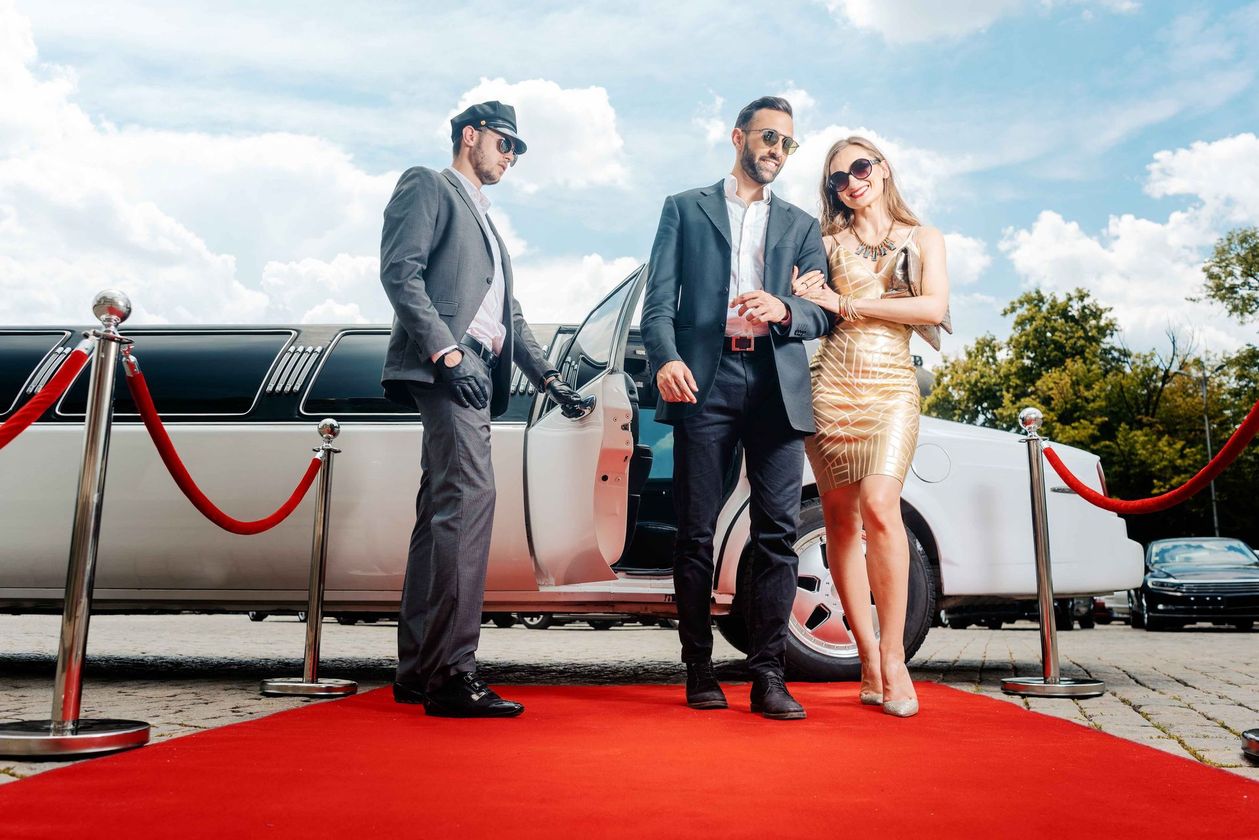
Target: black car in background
(1190,579)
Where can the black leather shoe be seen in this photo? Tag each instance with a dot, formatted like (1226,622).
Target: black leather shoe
(771,699)
(467,696)
(702,689)
(407,694)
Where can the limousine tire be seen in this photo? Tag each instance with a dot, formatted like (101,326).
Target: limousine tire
(812,654)
(535,621)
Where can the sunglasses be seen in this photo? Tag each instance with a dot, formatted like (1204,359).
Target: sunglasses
(771,138)
(860,169)
(505,145)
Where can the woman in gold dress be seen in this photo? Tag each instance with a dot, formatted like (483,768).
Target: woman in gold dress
(866,402)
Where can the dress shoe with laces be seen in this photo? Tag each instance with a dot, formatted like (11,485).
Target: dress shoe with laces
(702,689)
(403,693)
(771,699)
(467,696)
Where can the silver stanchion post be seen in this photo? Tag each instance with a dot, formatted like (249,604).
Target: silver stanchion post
(65,734)
(1250,744)
(309,684)
(1051,684)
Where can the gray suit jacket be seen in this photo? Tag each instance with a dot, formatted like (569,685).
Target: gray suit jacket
(436,267)
(688,290)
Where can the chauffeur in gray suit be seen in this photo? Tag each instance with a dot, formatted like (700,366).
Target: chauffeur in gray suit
(457,328)
(724,334)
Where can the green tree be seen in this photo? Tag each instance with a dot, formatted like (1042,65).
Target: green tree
(1232,273)
(1064,356)
(1058,355)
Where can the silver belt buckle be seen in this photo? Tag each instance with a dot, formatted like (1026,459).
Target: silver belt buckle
(742,343)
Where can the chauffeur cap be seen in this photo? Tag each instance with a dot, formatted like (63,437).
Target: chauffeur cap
(492,114)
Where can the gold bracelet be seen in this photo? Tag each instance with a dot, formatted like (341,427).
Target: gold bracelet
(853,314)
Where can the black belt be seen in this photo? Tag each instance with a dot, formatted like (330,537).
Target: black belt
(476,347)
(745,343)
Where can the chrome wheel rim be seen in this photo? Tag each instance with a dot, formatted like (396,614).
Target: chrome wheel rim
(817,616)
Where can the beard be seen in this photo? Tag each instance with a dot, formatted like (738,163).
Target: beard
(754,169)
(486,172)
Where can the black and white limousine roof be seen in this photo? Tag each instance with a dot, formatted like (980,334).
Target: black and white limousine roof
(224,373)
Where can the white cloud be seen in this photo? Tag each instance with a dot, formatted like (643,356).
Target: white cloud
(565,289)
(273,227)
(802,104)
(911,21)
(182,221)
(1146,269)
(334,312)
(322,291)
(968,259)
(571,132)
(914,21)
(709,120)
(1223,174)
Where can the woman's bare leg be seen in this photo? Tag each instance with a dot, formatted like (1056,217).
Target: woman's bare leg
(846,559)
(887,565)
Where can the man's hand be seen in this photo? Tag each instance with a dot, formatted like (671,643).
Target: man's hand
(572,404)
(467,380)
(809,282)
(760,307)
(675,382)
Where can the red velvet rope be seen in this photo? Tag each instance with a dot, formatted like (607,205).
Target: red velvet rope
(49,394)
(166,449)
(1244,434)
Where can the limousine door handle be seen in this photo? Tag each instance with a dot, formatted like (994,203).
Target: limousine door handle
(582,409)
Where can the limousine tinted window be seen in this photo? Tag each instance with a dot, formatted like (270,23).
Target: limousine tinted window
(587,355)
(348,382)
(20,354)
(194,373)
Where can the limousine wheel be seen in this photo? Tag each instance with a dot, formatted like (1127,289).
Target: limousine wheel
(819,643)
(535,621)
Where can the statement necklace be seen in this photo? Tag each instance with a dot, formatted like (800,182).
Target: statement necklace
(874,252)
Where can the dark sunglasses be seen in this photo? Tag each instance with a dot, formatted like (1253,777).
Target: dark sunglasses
(771,138)
(505,145)
(860,169)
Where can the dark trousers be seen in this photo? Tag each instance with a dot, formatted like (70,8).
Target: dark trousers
(439,623)
(745,406)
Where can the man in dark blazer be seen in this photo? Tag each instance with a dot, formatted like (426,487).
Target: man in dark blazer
(724,334)
(457,328)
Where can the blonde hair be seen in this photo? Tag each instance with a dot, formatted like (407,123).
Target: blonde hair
(836,215)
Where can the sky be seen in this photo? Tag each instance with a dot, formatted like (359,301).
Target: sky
(228,162)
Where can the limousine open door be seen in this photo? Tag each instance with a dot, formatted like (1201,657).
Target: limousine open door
(577,471)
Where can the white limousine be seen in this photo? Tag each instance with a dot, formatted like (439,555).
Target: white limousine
(584,521)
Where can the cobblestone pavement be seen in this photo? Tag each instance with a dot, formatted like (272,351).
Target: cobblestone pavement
(1189,693)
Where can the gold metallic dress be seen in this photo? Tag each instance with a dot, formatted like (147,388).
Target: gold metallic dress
(865,393)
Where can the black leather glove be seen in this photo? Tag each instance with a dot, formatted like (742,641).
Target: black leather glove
(467,380)
(572,404)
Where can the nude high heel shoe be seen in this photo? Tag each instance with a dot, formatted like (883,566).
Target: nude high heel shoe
(901,708)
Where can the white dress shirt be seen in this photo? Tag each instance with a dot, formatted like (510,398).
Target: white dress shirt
(487,325)
(748,224)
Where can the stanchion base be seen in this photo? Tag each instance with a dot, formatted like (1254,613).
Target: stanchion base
(37,739)
(1250,744)
(1037,687)
(298,687)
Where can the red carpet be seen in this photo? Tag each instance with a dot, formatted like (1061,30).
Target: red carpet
(633,762)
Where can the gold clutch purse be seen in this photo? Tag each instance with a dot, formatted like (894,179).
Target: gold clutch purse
(907,282)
